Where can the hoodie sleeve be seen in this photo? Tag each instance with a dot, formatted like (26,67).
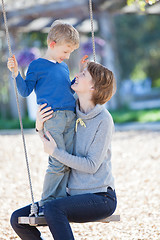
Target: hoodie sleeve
(96,153)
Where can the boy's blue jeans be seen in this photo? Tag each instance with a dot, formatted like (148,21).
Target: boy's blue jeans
(59,212)
(61,126)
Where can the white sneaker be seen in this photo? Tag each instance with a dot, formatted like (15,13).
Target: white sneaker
(42,238)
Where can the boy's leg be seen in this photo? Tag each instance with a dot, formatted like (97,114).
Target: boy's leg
(24,231)
(57,173)
(69,131)
(79,208)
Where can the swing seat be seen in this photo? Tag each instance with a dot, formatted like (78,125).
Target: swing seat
(41,221)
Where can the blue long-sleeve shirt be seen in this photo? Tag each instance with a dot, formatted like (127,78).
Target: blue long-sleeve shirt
(51,83)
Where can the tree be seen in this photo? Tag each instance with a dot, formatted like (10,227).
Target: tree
(139,46)
(142,3)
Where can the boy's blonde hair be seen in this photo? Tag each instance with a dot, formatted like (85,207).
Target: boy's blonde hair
(62,32)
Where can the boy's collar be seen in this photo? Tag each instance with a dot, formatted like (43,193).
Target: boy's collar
(53,61)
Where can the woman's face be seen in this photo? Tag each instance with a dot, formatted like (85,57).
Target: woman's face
(83,82)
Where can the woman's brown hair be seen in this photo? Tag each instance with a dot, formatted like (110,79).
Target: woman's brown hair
(104,83)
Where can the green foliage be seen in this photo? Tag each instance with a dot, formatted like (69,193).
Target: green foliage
(142,3)
(35,38)
(138,73)
(119,116)
(157,83)
(14,123)
(126,115)
(138,39)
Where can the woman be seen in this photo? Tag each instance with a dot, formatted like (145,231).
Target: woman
(91,191)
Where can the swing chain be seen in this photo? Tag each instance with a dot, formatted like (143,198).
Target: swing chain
(34,209)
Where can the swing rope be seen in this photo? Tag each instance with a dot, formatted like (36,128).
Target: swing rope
(92,29)
(33,206)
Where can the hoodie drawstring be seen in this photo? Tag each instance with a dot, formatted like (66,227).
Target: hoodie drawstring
(79,120)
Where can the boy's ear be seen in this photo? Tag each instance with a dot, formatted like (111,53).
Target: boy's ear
(52,44)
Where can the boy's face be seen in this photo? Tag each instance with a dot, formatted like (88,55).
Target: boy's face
(60,51)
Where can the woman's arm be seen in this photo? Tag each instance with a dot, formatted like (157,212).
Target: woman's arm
(96,153)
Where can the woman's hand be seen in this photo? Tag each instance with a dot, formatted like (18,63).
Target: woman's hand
(42,116)
(13,65)
(49,145)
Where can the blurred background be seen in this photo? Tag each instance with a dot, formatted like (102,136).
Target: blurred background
(127,41)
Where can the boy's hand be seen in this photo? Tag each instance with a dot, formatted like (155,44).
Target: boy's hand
(13,65)
(83,62)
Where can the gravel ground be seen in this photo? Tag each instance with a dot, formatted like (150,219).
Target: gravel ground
(136,167)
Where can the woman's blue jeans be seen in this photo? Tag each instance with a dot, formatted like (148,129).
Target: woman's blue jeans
(59,212)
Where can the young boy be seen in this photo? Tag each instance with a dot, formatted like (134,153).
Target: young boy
(49,77)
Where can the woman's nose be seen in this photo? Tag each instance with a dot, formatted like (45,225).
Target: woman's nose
(77,75)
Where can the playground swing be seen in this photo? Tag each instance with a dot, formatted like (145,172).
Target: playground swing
(33,219)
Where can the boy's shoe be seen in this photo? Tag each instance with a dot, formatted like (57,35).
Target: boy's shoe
(42,238)
(41,211)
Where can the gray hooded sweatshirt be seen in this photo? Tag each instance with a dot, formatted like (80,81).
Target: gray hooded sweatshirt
(90,163)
